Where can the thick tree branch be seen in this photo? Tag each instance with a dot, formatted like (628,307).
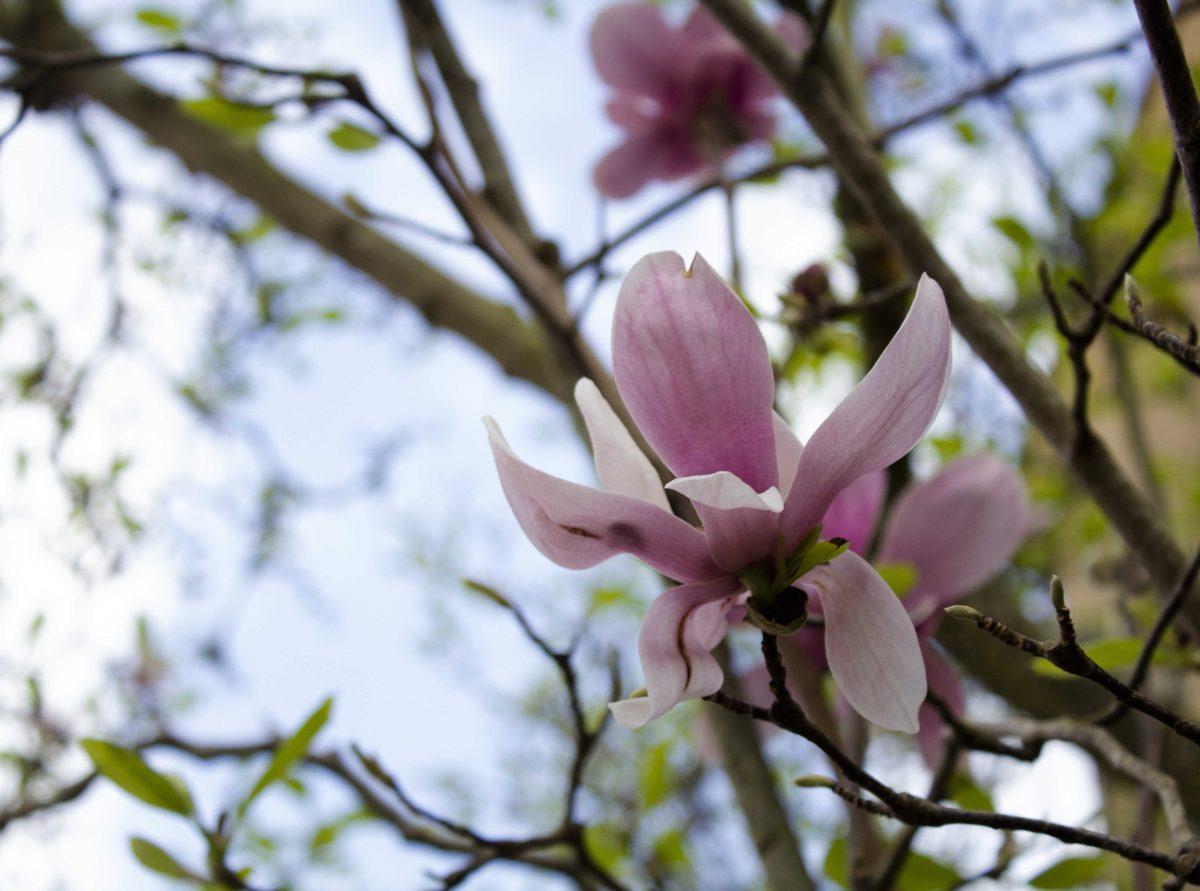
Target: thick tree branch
(518,347)
(1179,92)
(857,162)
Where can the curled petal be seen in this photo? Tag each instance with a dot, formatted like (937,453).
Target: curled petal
(620,464)
(578,526)
(675,647)
(634,49)
(882,418)
(855,511)
(693,368)
(725,491)
(957,528)
(741,525)
(870,642)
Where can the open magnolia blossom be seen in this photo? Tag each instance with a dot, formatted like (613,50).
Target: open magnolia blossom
(686,97)
(693,369)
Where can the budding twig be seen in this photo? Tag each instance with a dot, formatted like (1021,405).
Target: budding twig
(1067,655)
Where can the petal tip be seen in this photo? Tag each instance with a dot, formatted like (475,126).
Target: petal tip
(632,714)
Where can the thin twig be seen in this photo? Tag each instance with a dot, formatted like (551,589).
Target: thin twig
(1066,654)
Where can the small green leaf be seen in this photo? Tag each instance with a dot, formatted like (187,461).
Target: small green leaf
(126,768)
(159,20)
(243,120)
(920,873)
(656,776)
(966,131)
(157,860)
(606,843)
(291,750)
(1073,872)
(835,862)
(352,138)
(900,576)
(968,794)
(1015,231)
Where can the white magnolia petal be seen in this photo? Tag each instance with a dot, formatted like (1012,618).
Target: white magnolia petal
(620,464)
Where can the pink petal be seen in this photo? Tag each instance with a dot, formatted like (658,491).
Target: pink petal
(855,511)
(632,112)
(655,152)
(957,528)
(675,645)
(787,453)
(620,464)
(634,49)
(741,525)
(701,29)
(693,369)
(870,642)
(577,526)
(882,418)
(944,682)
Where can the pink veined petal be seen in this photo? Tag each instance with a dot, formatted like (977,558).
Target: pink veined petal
(870,642)
(693,368)
(855,511)
(578,526)
(634,49)
(944,682)
(957,528)
(882,418)
(787,452)
(741,525)
(620,464)
(675,647)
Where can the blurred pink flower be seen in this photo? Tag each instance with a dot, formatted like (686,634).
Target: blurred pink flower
(686,97)
(692,366)
(953,531)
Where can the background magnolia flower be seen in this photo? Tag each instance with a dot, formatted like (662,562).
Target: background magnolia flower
(953,531)
(693,369)
(686,97)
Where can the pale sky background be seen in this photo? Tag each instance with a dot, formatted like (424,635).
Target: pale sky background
(358,616)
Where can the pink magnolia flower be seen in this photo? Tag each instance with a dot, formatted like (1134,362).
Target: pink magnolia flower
(693,369)
(686,97)
(953,531)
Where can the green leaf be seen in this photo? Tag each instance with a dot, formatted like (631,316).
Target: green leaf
(157,860)
(900,576)
(126,768)
(1071,873)
(243,120)
(968,794)
(670,849)
(920,873)
(291,750)
(352,138)
(966,131)
(1111,655)
(835,862)
(656,777)
(1015,231)
(606,843)
(159,20)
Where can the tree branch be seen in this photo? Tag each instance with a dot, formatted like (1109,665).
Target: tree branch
(851,153)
